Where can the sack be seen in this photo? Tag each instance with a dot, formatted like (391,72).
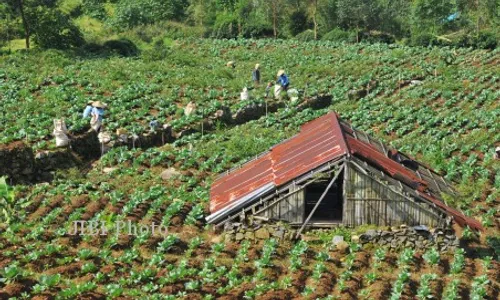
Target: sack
(123,138)
(244,94)
(293,95)
(95,124)
(190,109)
(277,91)
(104,137)
(122,135)
(61,133)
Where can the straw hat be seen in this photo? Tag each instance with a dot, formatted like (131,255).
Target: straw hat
(281,72)
(99,104)
(230,63)
(257,66)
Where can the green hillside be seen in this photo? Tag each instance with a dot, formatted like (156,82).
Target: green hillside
(447,117)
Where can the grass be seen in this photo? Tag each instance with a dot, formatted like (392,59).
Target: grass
(17,44)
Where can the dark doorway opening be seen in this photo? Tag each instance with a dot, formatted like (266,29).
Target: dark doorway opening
(331,207)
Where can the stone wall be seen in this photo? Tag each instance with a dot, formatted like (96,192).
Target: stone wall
(418,237)
(237,232)
(23,165)
(17,162)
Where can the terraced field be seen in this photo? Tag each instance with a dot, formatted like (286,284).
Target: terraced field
(448,119)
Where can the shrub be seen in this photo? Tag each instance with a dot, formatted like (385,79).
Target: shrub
(123,47)
(377,37)
(256,30)
(53,29)
(486,40)
(176,30)
(159,51)
(225,27)
(339,35)
(423,39)
(305,36)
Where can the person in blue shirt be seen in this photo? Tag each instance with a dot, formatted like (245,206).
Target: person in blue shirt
(88,109)
(98,109)
(283,80)
(97,115)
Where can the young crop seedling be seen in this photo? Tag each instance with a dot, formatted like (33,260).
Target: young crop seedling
(424,291)
(478,287)
(451,290)
(432,256)
(458,261)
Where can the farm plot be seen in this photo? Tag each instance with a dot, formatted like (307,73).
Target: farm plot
(447,120)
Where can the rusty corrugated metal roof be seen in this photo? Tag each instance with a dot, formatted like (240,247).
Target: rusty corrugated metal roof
(319,141)
(240,182)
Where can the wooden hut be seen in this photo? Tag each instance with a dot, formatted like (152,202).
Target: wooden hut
(331,173)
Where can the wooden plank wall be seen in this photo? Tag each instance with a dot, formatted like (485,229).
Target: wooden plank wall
(369,202)
(290,209)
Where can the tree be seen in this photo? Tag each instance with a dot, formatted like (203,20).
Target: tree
(18,7)
(394,17)
(298,22)
(53,29)
(130,13)
(275,8)
(429,15)
(359,14)
(41,19)
(313,12)
(94,8)
(7,26)
(199,11)
(482,13)
(327,15)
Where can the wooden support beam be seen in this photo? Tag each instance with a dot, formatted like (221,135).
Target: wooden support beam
(261,218)
(319,201)
(434,179)
(360,168)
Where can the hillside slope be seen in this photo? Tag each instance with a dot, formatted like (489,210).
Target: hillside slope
(449,119)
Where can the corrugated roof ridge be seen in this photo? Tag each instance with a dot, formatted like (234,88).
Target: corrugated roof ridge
(343,141)
(457,215)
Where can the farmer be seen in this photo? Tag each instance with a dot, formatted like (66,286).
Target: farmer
(256,75)
(283,80)
(88,109)
(97,115)
(497,152)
